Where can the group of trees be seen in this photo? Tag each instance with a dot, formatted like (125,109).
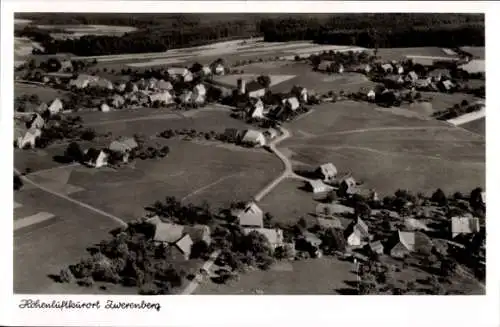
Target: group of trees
(189,214)
(60,128)
(458,109)
(379,30)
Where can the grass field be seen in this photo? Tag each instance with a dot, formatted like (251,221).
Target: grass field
(478,52)
(233,79)
(389,151)
(401,53)
(46,94)
(477,126)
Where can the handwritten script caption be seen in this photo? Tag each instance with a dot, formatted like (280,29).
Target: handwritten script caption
(97,305)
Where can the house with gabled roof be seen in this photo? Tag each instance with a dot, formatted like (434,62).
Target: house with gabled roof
(273,235)
(327,172)
(255,90)
(96,158)
(404,243)
(184,244)
(29,138)
(256,109)
(55,107)
(253,137)
(163,97)
(464,226)
(317,186)
(167,232)
(199,233)
(411,77)
(357,233)
(376,247)
(387,68)
(348,185)
(250,216)
(36,122)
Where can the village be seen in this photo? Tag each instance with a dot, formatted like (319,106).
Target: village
(177,247)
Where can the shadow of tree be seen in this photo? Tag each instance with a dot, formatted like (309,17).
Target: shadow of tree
(55,278)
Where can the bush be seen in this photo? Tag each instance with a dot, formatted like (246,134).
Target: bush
(66,276)
(199,249)
(439,197)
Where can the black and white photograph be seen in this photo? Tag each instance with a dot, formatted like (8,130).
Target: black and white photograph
(248,153)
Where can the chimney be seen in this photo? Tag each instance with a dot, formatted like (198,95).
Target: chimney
(241,86)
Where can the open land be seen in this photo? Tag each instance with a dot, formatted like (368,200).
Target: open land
(386,148)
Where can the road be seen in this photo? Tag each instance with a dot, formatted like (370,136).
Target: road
(193,284)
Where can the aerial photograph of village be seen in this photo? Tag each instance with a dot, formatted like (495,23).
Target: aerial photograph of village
(240,153)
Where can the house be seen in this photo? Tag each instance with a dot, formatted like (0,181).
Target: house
(438,74)
(82,81)
(367,69)
(131,87)
(337,68)
(96,158)
(327,172)
(325,65)
(29,138)
(411,77)
(168,232)
(255,90)
(199,233)
(273,235)
(333,223)
(105,108)
(183,73)
(251,216)
(446,85)
(102,83)
(36,122)
(184,245)
(376,247)
(66,66)
(387,68)
(219,69)
(422,60)
(423,83)
(163,97)
(291,103)
(371,95)
(483,197)
(152,83)
(404,243)
(257,109)
(301,93)
(141,84)
(206,71)
(398,69)
(55,107)
(164,85)
(199,93)
(464,225)
(317,186)
(42,108)
(120,86)
(117,101)
(253,137)
(348,185)
(124,147)
(357,233)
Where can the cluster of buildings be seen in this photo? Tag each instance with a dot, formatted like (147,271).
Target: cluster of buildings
(120,148)
(27,138)
(250,137)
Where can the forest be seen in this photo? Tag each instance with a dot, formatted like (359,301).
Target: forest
(160,32)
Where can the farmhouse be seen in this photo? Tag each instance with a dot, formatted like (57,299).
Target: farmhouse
(273,235)
(29,138)
(253,137)
(464,225)
(36,122)
(348,186)
(317,186)
(251,216)
(96,158)
(168,232)
(371,95)
(55,107)
(357,233)
(199,93)
(255,90)
(333,223)
(105,108)
(411,77)
(162,97)
(124,147)
(404,243)
(376,247)
(387,68)
(256,109)
(164,85)
(291,103)
(117,101)
(199,233)
(327,172)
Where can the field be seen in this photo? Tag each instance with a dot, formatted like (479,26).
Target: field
(232,79)
(389,151)
(477,126)
(401,53)
(478,52)
(45,94)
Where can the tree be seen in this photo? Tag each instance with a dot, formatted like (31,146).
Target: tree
(362,210)
(475,198)
(199,249)
(439,197)
(333,240)
(196,67)
(53,65)
(18,183)
(464,103)
(268,218)
(264,80)
(88,134)
(331,196)
(448,267)
(74,152)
